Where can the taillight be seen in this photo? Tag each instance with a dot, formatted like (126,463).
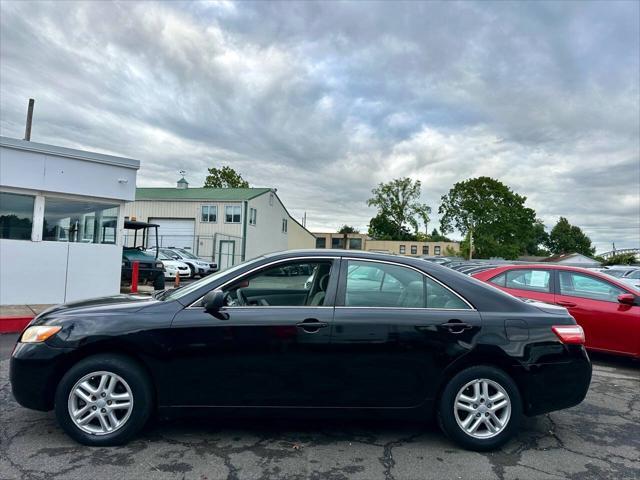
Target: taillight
(569,334)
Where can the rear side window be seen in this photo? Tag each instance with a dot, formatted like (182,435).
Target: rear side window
(526,279)
(440,297)
(575,284)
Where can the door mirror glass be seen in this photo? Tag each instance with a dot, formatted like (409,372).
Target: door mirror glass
(213,301)
(627,298)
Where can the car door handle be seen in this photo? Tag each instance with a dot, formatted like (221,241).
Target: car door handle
(456,326)
(311,325)
(565,303)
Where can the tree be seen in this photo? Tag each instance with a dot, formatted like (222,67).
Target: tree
(493,214)
(619,259)
(381,228)
(398,203)
(437,237)
(567,238)
(225,177)
(348,229)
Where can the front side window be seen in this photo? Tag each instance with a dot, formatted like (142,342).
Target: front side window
(529,279)
(209,213)
(321,242)
(16,216)
(403,249)
(575,284)
(253,216)
(291,284)
(79,221)
(414,249)
(232,213)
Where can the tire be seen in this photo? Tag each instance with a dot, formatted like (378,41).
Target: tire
(505,420)
(128,378)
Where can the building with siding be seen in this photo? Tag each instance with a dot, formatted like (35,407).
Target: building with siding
(361,241)
(226,225)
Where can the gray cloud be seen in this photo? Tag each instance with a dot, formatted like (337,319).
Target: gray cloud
(324,100)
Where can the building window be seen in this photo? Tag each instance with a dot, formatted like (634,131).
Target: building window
(253,216)
(414,249)
(16,216)
(284,225)
(232,214)
(79,221)
(209,213)
(271,199)
(355,244)
(436,250)
(403,249)
(321,242)
(425,249)
(337,242)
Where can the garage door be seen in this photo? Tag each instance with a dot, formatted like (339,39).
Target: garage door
(174,232)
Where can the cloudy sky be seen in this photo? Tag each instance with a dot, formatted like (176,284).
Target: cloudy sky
(325,100)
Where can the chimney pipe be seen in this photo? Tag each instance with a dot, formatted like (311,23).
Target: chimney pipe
(27,130)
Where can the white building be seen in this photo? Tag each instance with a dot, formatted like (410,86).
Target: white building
(226,225)
(61,221)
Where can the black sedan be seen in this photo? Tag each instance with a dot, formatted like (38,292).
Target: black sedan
(351,331)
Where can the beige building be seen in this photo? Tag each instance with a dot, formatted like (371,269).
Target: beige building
(226,225)
(360,241)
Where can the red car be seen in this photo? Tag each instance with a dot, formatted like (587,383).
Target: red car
(607,310)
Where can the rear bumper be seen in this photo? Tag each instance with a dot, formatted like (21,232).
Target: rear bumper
(553,386)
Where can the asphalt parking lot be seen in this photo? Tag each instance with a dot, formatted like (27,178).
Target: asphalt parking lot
(598,439)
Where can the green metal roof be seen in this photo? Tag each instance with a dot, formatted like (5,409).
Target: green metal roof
(212,194)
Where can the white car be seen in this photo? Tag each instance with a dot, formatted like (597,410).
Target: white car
(173,267)
(197,266)
(632,278)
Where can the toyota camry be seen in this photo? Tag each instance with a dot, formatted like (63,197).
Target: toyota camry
(344,331)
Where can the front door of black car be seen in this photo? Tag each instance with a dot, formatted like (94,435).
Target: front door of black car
(395,330)
(267,347)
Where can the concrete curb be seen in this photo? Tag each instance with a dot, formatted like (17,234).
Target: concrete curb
(13,324)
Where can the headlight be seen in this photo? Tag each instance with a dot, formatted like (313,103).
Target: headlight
(159,265)
(39,333)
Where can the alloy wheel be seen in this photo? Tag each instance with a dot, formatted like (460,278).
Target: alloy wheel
(100,403)
(482,408)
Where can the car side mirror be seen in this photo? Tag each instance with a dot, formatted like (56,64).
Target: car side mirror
(175,257)
(213,301)
(627,299)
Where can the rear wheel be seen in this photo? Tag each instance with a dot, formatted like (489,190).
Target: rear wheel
(480,408)
(103,400)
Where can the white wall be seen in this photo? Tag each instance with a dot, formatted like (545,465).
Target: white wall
(266,236)
(57,272)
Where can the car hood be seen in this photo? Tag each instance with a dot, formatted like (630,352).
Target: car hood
(113,303)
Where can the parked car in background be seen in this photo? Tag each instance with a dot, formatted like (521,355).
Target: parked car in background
(150,268)
(197,266)
(173,267)
(618,271)
(632,278)
(371,334)
(606,308)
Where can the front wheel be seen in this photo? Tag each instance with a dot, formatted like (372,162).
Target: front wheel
(103,400)
(480,408)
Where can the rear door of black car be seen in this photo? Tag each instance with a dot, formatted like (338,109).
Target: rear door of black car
(393,337)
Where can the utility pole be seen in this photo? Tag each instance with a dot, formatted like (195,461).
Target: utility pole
(27,130)
(470,243)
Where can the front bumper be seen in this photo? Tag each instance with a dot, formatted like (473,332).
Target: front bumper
(34,372)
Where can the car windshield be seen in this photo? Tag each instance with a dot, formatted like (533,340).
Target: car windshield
(187,254)
(177,293)
(635,274)
(164,256)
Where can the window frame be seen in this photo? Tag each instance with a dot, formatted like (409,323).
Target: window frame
(330,292)
(285,226)
(425,250)
(437,250)
(233,214)
(253,216)
(324,241)
(342,287)
(402,249)
(208,206)
(414,249)
(552,280)
(34,199)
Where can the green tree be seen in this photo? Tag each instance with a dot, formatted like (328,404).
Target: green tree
(567,238)
(501,224)
(348,229)
(381,228)
(225,177)
(619,259)
(398,202)
(437,237)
